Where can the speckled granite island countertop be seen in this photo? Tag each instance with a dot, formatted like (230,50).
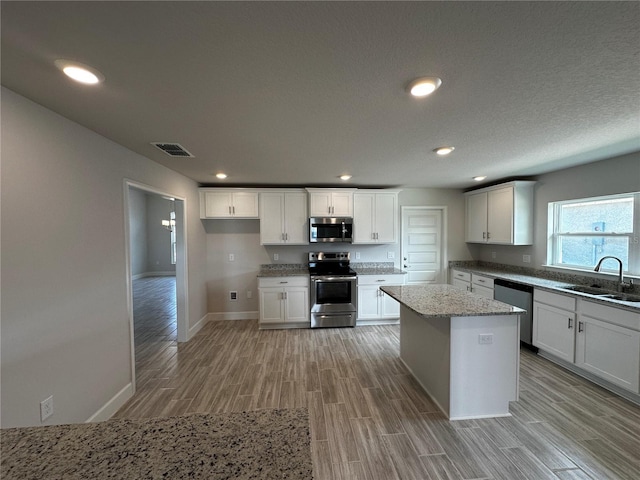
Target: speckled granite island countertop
(447,301)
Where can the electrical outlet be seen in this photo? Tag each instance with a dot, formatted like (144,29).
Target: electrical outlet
(276,256)
(232,257)
(249,294)
(46,408)
(526,258)
(485,338)
(493,254)
(357,255)
(391,255)
(233,295)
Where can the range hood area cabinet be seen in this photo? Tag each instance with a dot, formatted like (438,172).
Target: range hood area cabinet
(331,202)
(501,214)
(284,218)
(375,216)
(228,203)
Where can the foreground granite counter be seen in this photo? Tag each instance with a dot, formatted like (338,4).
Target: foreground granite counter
(462,348)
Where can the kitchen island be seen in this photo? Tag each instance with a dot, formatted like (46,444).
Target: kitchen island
(463,349)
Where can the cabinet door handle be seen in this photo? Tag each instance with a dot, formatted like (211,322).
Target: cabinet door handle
(488,236)
(570,323)
(286,236)
(484,235)
(580,327)
(229,209)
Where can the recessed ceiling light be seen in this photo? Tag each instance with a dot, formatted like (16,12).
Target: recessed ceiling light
(221,175)
(423,86)
(79,72)
(444,150)
(479,178)
(345,177)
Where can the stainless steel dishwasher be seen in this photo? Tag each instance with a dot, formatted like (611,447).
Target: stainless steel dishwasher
(519,295)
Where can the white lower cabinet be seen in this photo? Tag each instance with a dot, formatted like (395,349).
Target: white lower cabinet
(284,301)
(482,286)
(461,279)
(608,349)
(472,282)
(373,303)
(595,338)
(553,330)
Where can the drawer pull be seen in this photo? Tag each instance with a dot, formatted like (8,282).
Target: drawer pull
(284,282)
(381,280)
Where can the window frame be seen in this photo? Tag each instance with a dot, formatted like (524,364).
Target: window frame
(555,235)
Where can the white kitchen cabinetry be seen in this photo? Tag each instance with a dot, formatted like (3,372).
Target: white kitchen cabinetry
(228,203)
(283,218)
(606,347)
(472,282)
(461,279)
(284,302)
(502,214)
(482,286)
(333,202)
(554,322)
(373,303)
(375,217)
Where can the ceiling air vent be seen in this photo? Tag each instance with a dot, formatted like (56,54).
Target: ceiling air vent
(173,149)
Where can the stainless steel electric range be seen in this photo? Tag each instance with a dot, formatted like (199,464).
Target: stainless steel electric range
(334,302)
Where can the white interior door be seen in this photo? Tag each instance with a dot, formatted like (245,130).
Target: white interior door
(423,244)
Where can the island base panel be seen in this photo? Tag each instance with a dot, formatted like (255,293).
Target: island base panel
(466,379)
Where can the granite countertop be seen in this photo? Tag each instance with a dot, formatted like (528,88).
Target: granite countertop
(376,269)
(447,301)
(557,283)
(298,269)
(283,270)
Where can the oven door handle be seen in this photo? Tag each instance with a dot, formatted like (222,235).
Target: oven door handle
(333,279)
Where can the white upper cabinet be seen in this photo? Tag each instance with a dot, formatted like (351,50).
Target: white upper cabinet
(283,218)
(330,202)
(225,203)
(375,217)
(502,214)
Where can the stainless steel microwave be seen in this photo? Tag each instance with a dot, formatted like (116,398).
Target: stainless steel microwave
(330,229)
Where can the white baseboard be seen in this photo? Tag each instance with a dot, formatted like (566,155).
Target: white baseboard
(379,321)
(197,327)
(113,405)
(153,274)
(215,316)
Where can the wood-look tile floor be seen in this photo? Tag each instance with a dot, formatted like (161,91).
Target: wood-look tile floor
(369,418)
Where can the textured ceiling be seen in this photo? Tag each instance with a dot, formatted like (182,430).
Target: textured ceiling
(297,93)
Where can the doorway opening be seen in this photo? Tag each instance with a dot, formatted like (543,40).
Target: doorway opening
(156,279)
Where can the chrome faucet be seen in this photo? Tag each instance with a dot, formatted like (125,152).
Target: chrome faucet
(621,283)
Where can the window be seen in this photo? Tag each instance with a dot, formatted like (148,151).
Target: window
(585,230)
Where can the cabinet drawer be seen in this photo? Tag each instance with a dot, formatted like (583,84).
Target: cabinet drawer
(298,281)
(617,316)
(554,299)
(482,281)
(460,275)
(380,280)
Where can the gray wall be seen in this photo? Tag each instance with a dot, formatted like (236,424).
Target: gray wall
(138,231)
(615,175)
(65,324)
(158,237)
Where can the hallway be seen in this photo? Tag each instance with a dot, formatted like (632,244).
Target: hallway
(154,320)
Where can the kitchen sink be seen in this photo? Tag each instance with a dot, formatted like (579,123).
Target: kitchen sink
(601,293)
(586,289)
